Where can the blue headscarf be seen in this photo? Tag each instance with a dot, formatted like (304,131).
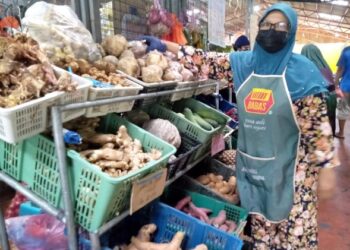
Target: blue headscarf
(303,77)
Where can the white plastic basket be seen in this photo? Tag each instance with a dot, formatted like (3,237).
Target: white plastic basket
(27,119)
(186,94)
(102,93)
(79,95)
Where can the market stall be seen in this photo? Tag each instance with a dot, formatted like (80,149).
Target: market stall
(111,143)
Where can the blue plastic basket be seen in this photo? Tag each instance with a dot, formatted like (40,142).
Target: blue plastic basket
(170,220)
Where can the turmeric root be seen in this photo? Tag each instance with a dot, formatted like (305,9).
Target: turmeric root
(101,139)
(144,235)
(113,164)
(123,138)
(103,154)
(174,244)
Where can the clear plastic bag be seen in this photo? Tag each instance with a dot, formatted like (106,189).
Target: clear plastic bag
(58,30)
(38,232)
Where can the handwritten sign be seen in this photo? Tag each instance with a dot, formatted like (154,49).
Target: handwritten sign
(147,189)
(217,144)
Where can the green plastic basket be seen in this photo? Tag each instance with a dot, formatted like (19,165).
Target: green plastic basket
(11,159)
(237,214)
(97,196)
(186,127)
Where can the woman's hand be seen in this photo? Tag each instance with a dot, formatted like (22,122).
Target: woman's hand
(339,92)
(153,43)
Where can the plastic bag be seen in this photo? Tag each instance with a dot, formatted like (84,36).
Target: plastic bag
(59,31)
(159,20)
(176,34)
(38,232)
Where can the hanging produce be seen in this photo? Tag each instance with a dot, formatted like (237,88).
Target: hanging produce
(176,34)
(59,31)
(159,20)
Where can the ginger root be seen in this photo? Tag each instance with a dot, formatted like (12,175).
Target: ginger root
(103,154)
(174,244)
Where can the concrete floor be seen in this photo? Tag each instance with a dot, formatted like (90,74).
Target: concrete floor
(334,214)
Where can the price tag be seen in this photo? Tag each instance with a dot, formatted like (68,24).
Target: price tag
(217,144)
(147,189)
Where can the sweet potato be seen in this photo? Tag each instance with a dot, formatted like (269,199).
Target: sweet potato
(182,203)
(231,226)
(224,228)
(220,219)
(224,189)
(198,212)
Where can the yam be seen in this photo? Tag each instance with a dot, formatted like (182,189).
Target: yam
(203,179)
(114,45)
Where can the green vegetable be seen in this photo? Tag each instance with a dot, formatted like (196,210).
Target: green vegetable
(208,114)
(201,122)
(182,115)
(212,122)
(189,116)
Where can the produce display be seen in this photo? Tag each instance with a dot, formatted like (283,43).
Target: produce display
(13,209)
(226,189)
(142,241)
(165,130)
(220,221)
(202,118)
(228,157)
(26,73)
(103,70)
(115,154)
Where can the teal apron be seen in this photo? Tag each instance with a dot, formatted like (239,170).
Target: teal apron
(267,148)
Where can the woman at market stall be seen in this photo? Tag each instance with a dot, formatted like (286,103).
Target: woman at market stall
(284,137)
(314,54)
(342,82)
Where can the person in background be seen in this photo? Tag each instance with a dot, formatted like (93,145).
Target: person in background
(342,84)
(285,140)
(241,44)
(314,54)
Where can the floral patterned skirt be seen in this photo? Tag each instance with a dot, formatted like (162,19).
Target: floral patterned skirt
(300,230)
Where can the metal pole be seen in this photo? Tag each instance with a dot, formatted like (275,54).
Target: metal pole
(31,196)
(95,241)
(128,98)
(3,234)
(66,189)
(217,103)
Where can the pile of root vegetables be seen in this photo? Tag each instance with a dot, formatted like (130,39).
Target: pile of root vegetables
(220,221)
(25,72)
(115,154)
(226,189)
(143,241)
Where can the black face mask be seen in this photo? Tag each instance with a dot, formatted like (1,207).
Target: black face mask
(272,40)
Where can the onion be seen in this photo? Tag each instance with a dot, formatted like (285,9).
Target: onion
(154,16)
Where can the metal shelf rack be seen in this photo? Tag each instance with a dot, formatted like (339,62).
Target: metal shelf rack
(67,214)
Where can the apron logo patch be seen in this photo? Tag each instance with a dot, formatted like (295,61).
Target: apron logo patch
(259,101)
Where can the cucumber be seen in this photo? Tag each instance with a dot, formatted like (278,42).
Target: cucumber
(206,113)
(180,114)
(189,116)
(212,122)
(201,122)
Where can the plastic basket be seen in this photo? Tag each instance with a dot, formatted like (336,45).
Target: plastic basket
(190,183)
(169,221)
(11,159)
(184,154)
(151,88)
(237,214)
(194,131)
(98,197)
(27,119)
(79,95)
(185,94)
(119,107)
